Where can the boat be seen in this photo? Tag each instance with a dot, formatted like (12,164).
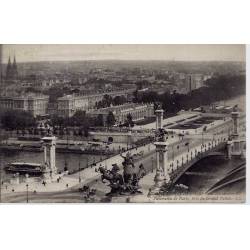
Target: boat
(25,168)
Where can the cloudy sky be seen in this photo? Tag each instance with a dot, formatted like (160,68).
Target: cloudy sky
(31,53)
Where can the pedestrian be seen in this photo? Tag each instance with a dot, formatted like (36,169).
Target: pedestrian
(67,185)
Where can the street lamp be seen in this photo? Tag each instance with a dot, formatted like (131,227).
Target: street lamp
(0,167)
(27,193)
(0,177)
(187,144)
(79,169)
(106,160)
(152,160)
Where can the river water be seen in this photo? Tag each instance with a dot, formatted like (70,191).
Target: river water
(62,159)
(207,172)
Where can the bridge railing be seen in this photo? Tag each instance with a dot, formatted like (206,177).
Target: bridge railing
(193,155)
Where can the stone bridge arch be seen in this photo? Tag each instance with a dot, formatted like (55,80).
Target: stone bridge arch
(176,176)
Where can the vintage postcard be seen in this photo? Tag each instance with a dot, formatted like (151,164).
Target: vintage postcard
(122,123)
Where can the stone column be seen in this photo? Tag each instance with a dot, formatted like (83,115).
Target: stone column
(45,154)
(161,177)
(49,144)
(229,149)
(53,155)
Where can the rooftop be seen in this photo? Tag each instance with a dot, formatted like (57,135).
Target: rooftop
(23,96)
(123,107)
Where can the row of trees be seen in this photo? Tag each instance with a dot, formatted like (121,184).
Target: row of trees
(107,101)
(215,89)
(20,120)
(17,119)
(81,119)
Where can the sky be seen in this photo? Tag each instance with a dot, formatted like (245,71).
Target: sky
(77,52)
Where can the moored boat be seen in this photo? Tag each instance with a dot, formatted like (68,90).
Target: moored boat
(25,168)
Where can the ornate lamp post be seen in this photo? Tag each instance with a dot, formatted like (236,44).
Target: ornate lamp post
(1,182)
(187,145)
(0,177)
(27,193)
(152,161)
(162,177)
(172,152)
(79,170)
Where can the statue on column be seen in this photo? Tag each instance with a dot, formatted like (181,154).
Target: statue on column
(161,135)
(235,108)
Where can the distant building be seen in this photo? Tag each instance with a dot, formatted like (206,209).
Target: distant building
(192,82)
(137,111)
(33,103)
(11,70)
(69,104)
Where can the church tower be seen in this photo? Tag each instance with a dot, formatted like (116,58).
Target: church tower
(14,69)
(8,70)
(11,70)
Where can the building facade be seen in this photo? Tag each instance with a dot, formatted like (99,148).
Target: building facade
(35,104)
(69,104)
(120,112)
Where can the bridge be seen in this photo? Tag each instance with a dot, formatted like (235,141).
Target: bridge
(213,151)
(236,175)
(208,144)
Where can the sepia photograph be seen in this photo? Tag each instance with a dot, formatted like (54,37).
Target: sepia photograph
(122,123)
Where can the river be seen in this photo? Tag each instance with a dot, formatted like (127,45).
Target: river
(62,159)
(238,100)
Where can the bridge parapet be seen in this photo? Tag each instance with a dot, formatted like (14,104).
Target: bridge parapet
(179,164)
(178,168)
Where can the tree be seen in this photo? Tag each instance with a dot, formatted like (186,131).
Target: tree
(57,121)
(99,121)
(105,102)
(86,131)
(119,100)
(79,118)
(129,121)
(110,139)
(15,119)
(110,119)
(217,88)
